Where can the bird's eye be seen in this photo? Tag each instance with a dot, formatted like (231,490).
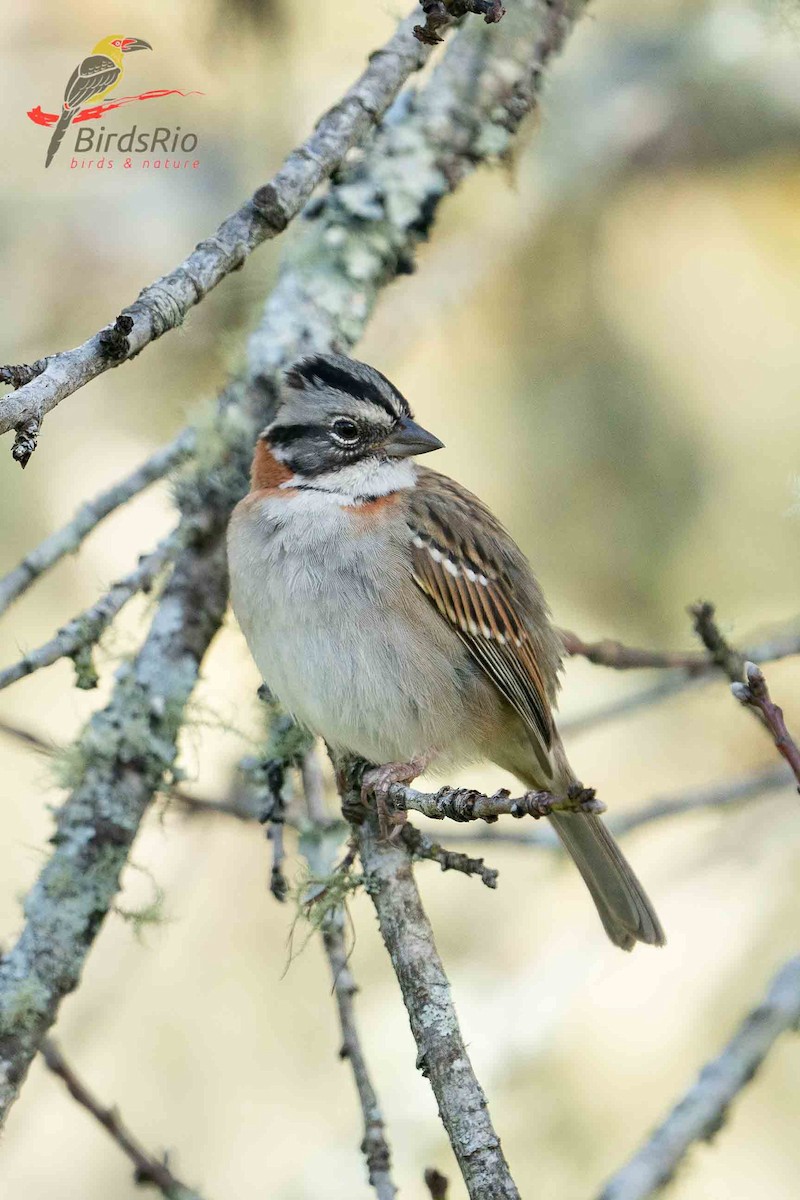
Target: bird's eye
(345,431)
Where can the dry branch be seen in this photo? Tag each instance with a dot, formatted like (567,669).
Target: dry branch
(610,653)
(441,1053)
(381,209)
(718,796)
(421,846)
(374,1145)
(747,683)
(164,304)
(148,1169)
(69,538)
(754,694)
(319,843)
(85,630)
(467,804)
(785,643)
(701,1113)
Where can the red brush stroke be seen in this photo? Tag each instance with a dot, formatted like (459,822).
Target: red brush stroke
(91,114)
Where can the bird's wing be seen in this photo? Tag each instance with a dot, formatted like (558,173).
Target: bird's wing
(473,573)
(93,75)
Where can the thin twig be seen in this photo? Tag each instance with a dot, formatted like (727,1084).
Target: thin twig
(67,539)
(611,653)
(421,846)
(783,644)
(318,846)
(164,304)
(467,804)
(747,682)
(754,693)
(720,651)
(148,1169)
(85,630)
(702,1112)
(374,1146)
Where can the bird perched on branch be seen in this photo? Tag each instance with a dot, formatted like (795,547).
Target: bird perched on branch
(390,612)
(91,81)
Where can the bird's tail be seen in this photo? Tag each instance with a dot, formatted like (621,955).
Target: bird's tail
(626,912)
(58,134)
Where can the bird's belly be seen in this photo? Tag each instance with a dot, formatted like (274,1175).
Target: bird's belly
(336,646)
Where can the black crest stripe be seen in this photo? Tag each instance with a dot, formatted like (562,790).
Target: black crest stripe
(320,370)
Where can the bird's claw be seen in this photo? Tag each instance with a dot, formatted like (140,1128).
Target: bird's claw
(376,782)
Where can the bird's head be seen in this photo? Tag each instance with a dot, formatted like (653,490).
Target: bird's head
(337,413)
(115,44)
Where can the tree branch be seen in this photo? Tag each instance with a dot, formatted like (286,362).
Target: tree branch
(319,842)
(374,1145)
(753,692)
(164,304)
(69,538)
(611,653)
(783,644)
(467,804)
(148,1169)
(439,14)
(719,795)
(421,846)
(702,1112)
(467,114)
(85,630)
(442,1056)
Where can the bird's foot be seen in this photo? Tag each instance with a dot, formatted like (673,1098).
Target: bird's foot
(378,780)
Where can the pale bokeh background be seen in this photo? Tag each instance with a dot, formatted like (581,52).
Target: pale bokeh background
(606,338)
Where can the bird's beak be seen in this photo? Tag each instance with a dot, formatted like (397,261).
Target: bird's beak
(129,44)
(410,438)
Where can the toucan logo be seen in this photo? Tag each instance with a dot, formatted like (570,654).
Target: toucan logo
(89,84)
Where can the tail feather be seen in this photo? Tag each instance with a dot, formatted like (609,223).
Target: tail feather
(58,134)
(625,910)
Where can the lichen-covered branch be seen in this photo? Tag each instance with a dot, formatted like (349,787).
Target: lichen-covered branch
(719,796)
(121,762)
(148,1169)
(441,1054)
(164,304)
(421,846)
(702,1112)
(84,631)
(439,14)
(69,538)
(361,236)
(467,804)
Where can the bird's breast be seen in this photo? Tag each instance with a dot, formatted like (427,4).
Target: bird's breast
(338,629)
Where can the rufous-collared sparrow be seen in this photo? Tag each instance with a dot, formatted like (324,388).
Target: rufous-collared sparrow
(391,613)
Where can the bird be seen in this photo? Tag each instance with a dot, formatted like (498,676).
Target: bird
(92,80)
(393,615)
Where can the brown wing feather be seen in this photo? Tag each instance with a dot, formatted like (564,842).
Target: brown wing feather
(471,570)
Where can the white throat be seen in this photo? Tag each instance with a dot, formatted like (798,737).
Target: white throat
(360,481)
